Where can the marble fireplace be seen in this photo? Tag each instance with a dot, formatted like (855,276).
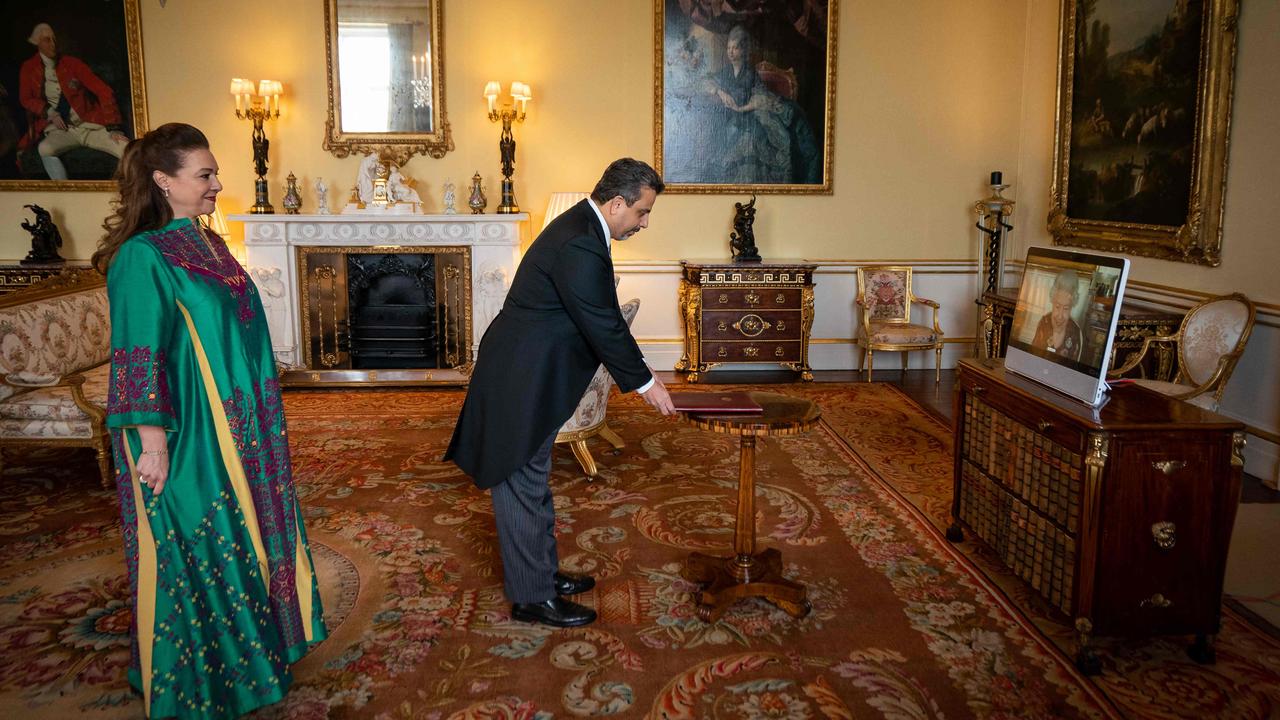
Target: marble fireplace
(387,299)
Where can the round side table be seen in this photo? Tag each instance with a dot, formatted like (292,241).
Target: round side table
(749,572)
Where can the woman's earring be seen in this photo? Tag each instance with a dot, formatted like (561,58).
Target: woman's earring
(165,190)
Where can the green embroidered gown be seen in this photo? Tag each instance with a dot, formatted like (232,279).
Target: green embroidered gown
(224,589)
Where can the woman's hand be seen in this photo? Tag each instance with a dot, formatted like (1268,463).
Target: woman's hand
(153,462)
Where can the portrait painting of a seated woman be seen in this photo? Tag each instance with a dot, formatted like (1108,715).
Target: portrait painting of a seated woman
(738,110)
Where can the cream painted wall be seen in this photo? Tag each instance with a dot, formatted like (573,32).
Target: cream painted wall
(925,109)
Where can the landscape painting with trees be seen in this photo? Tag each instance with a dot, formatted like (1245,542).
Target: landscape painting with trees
(1133,110)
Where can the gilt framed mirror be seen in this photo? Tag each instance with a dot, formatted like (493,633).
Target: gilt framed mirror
(385,61)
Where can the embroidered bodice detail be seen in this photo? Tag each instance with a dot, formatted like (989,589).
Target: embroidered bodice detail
(204,255)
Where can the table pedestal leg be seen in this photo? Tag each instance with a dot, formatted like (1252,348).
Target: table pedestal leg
(747,573)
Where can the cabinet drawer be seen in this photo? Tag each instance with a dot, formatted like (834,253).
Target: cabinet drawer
(1033,467)
(1040,418)
(1034,548)
(1161,539)
(739,298)
(751,351)
(763,325)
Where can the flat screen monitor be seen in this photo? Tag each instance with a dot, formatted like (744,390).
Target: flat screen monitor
(1065,320)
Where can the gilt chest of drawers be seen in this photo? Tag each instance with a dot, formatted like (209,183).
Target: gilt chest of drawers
(1119,517)
(746,313)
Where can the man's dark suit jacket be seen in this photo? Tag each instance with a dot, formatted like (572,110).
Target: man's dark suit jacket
(560,321)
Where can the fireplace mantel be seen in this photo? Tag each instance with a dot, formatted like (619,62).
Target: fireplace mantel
(272,245)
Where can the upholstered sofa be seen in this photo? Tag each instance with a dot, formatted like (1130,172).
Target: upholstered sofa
(55,344)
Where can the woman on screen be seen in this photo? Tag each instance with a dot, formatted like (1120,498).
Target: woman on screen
(1057,332)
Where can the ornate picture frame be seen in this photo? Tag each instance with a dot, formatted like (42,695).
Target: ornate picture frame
(398,145)
(1141,137)
(99,50)
(744,100)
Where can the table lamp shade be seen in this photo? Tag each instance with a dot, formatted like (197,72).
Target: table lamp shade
(561,201)
(217,222)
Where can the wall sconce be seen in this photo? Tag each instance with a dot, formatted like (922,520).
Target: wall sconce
(520,96)
(421,82)
(258,108)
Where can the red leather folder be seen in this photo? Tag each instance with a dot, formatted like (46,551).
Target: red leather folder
(715,403)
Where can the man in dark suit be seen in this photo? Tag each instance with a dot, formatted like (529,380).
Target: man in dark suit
(560,321)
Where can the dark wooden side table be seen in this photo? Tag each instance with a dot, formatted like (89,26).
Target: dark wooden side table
(758,312)
(15,276)
(1135,323)
(750,572)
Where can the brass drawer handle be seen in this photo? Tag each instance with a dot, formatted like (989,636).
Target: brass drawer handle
(1044,425)
(1156,601)
(723,352)
(1168,467)
(780,299)
(782,325)
(722,326)
(1165,534)
(751,325)
(779,352)
(724,299)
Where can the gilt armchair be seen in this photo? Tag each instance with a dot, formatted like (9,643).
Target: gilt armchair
(885,299)
(588,419)
(1207,346)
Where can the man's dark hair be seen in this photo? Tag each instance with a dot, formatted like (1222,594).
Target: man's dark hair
(626,177)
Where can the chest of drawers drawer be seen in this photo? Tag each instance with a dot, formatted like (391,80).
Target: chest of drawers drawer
(779,351)
(747,298)
(746,325)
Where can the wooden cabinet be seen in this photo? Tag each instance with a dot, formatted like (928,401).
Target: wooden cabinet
(1120,517)
(19,277)
(746,313)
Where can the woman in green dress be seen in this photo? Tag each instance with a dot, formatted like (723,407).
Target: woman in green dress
(224,589)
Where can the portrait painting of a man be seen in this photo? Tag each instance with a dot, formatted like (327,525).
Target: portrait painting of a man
(66,86)
(745,101)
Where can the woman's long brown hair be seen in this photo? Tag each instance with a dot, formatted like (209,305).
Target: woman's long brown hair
(141,205)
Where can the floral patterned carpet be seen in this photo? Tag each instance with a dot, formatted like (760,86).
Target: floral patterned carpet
(904,624)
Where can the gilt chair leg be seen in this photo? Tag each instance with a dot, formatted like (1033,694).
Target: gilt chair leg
(104,464)
(937,365)
(583,455)
(612,438)
(870,359)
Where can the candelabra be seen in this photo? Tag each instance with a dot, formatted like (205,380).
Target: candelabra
(258,108)
(993,210)
(520,95)
(421,82)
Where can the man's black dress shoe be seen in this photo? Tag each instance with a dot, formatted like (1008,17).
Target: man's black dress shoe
(570,584)
(556,612)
